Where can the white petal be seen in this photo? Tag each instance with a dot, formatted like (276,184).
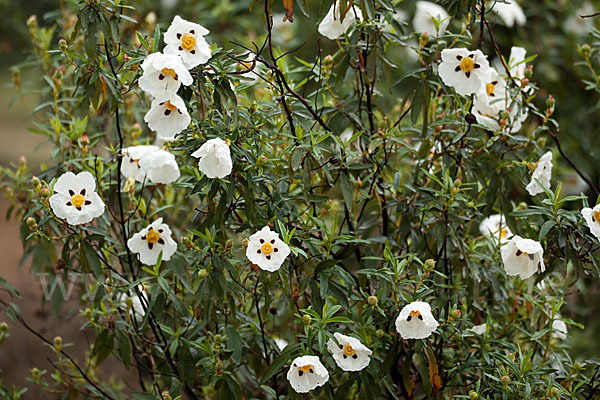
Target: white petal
(588,215)
(332,27)
(160,166)
(215,158)
(424,15)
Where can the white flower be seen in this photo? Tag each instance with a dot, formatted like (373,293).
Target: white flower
(349,353)
(466,71)
(543,173)
(416,321)
(523,257)
(559,329)
(130,165)
(332,25)
(168,117)
(187,40)
(151,240)
(160,166)
(215,158)
(75,198)
(281,343)
(516,62)
(592,217)
(490,100)
(266,250)
(494,227)
(426,13)
(136,302)
(163,75)
(307,373)
(511,13)
(577,25)
(478,329)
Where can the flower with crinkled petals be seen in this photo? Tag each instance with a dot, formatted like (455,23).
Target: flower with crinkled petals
(75,198)
(522,257)
(477,329)
(592,218)
(130,165)
(168,117)
(266,250)
(543,173)
(332,26)
(510,12)
(559,329)
(160,166)
(466,71)
(307,373)
(151,240)
(163,75)
(424,16)
(349,353)
(490,101)
(494,227)
(186,39)
(415,321)
(215,158)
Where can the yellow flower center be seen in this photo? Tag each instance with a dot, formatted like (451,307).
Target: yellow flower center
(489,89)
(503,233)
(415,313)
(188,42)
(169,71)
(77,200)
(266,248)
(306,368)
(348,350)
(152,236)
(597,216)
(467,64)
(170,106)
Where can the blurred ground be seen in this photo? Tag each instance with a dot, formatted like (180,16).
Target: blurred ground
(22,350)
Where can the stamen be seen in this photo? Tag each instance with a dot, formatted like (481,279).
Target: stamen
(188,42)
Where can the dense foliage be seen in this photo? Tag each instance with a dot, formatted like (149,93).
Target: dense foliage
(372,171)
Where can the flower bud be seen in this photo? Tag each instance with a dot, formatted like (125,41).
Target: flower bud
(429,265)
(471,204)
(218,339)
(306,319)
(166,396)
(219,367)
(32,21)
(151,18)
(554,392)
(262,160)
(202,273)
(35,373)
(473,395)
(58,342)
(16,77)
(522,206)
(35,182)
(454,315)
(44,193)
(505,114)
(528,72)
(423,39)
(524,82)
(454,191)
(505,380)
(63,45)
(245,244)
(22,162)
(88,313)
(550,102)
(379,333)
(3,327)
(85,140)
(372,301)
(31,223)
(586,50)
